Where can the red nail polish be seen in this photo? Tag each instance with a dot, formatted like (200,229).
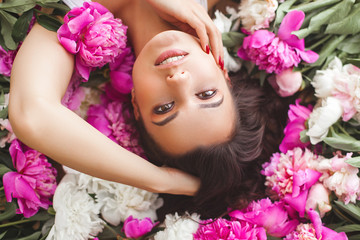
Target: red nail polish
(207,49)
(221,63)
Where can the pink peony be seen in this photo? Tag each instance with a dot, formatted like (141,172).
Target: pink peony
(228,230)
(271,216)
(290,176)
(340,177)
(94,35)
(298,115)
(314,230)
(33,184)
(110,118)
(277,53)
(6,61)
(121,70)
(287,82)
(135,228)
(318,198)
(74,94)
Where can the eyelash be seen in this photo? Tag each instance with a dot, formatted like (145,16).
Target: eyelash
(162,109)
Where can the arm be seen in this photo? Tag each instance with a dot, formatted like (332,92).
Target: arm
(40,75)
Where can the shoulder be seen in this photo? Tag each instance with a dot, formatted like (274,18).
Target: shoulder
(114,6)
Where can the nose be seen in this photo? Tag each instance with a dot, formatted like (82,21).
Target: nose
(179,77)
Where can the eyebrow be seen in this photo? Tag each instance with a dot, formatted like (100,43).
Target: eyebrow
(203,105)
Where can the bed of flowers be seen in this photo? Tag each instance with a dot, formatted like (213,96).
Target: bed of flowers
(310,48)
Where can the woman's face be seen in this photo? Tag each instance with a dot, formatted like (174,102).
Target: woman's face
(181,94)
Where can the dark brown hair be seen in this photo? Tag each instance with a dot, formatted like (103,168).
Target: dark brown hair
(229,172)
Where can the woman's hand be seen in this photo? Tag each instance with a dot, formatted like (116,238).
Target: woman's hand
(179,182)
(192,18)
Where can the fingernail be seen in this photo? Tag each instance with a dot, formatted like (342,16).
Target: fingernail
(221,63)
(207,49)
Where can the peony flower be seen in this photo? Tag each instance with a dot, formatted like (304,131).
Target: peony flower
(121,70)
(290,175)
(74,94)
(340,177)
(271,216)
(277,53)
(119,201)
(314,230)
(287,82)
(10,136)
(298,115)
(179,227)
(94,35)
(110,119)
(325,114)
(341,82)
(6,61)
(224,24)
(33,184)
(224,229)
(135,228)
(318,198)
(77,214)
(257,14)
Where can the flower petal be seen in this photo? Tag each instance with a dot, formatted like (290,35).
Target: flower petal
(292,22)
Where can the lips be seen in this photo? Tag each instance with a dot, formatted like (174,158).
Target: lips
(170,54)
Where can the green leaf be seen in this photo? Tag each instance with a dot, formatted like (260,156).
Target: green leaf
(343,142)
(354,237)
(355,161)
(4,113)
(5,158)
(307,7)
(303,137)
(2,235)
(349,228)
(328,49)
(34,236)
(4,169)
(17,6)
(350,209)
(268,237)
(350,45)
(348,25)
(50,23)
(7,23)
(232,39)
(22,25)
(10,211)
(55,5)
(40,216)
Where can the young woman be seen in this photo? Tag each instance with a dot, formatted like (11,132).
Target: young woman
(188,114)
(41,73)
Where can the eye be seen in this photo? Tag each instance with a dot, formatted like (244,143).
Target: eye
(162,109)
(206,94)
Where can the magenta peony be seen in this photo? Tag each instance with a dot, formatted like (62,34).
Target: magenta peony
(110,119)
(33,184)
(271,216)
(298,115)
(6,61)
(94,35)
(135,228)
(291,176)
(228,230)
(314,230)
(121,70)
(277,53)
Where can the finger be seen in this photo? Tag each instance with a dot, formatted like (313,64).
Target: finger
(200,30)
(216,44)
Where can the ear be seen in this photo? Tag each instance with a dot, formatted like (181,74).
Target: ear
(135,105)
(227,78)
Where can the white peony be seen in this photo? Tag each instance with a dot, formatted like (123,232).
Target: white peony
(322,117)
(179,227)
(77,214)
(257,14)
(323,81)
(119,201)
(224,24)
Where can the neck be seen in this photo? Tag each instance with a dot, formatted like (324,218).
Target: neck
(143,23)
